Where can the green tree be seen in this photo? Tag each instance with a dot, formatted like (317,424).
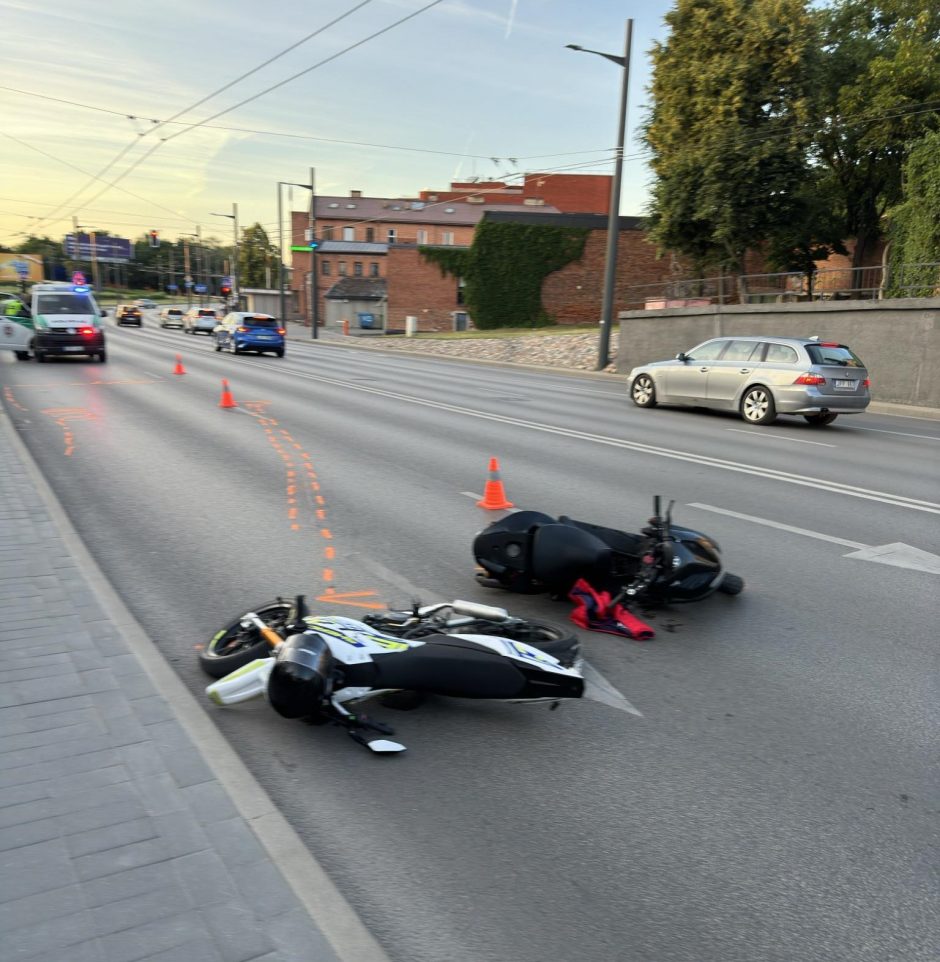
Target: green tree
(730,94)
(877,94)
(255,254)
(914,232)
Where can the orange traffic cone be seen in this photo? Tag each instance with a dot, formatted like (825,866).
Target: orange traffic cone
(179,369)
(494,497)
(227,400)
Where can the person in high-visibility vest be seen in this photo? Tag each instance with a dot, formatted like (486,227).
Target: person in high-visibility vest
(13,307)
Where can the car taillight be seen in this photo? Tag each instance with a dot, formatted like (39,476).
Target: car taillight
(866,382)
(242,330)
(810,379)
(281,330)
(86,331)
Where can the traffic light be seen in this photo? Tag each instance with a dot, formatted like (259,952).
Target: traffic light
(154,238)
(225,290)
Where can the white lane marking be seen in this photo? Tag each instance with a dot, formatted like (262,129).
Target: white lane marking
(898,554)
(778,437)
(783,527)
(901,434)
(835,487)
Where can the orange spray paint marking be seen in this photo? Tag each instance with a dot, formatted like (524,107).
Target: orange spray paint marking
(8,394)
(320,499)
(324,533)
(329,552)
(346,598)
(63,415)
(321,514)
(327,574)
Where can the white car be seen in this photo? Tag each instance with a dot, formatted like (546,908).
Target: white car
(171,317)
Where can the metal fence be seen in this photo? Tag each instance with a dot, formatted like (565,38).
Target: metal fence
(840,283)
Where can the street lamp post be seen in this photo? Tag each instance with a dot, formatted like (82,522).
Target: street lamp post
(280,242)
(234,218)
(613,216)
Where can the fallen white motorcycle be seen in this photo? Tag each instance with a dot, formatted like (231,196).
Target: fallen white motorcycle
(318,668)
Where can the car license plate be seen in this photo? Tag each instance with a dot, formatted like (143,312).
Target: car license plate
(77,349)
(265,337)
(845,384)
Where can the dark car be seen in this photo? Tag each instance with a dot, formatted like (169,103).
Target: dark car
(249,331)
(128,314)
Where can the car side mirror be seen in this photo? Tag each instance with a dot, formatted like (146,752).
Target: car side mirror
(681,356)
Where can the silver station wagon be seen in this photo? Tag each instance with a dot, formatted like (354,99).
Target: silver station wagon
(759,377)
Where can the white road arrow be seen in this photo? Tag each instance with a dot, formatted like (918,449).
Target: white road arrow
(899,555)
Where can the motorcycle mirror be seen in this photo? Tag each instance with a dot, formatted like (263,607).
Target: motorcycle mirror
(383,746)
(657,506)
(669,514)
(300,607)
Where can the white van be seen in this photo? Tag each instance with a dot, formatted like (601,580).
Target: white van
(16,324)
(67,322)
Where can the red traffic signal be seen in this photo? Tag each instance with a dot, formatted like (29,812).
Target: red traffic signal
(154,238)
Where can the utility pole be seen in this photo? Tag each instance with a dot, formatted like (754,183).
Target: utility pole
(280,258)
(200,259)
(235,255)
(187,279)
(312,221)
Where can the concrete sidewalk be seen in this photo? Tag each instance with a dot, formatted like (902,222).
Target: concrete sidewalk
(129,829)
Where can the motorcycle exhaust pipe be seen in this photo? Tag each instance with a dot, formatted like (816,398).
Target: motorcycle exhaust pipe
(475,610)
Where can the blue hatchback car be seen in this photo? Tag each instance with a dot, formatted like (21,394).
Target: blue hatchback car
(247,331)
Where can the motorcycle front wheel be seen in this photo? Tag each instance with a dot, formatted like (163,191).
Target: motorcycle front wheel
(236,645)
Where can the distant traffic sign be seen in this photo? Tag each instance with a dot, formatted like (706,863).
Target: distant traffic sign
(200,288)
(21,268)
(188,282)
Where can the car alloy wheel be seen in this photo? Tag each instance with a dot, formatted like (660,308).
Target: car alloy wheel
(757,406)
(643,391)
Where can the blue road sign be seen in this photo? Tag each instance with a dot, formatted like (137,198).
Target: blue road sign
(188,282)
(21,268)
(172,287)
(200,288)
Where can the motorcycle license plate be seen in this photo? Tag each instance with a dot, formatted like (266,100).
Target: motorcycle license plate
(845,385)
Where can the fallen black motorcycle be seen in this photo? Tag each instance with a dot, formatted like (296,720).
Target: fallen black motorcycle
(531,552)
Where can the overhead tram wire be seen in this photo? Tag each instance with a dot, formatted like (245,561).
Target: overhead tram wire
(59,160)
(261,66)
(188,127)
(193,106)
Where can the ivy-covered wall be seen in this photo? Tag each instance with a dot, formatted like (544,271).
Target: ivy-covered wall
(505,267)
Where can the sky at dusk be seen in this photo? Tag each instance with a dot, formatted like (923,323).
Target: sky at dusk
(464,89)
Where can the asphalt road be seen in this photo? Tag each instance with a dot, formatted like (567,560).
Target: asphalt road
(776,797)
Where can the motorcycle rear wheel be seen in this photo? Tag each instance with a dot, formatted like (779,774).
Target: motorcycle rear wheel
(235,646)
(555,640)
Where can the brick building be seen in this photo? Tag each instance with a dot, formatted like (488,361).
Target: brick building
(358,233)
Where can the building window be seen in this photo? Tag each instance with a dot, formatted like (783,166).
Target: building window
(461,284)
(392,235)
(326,233)
(373,269)
(341,268)
(422,236)
(324,267)
(349,233)
(370,235)
(357,268)
(447,237)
